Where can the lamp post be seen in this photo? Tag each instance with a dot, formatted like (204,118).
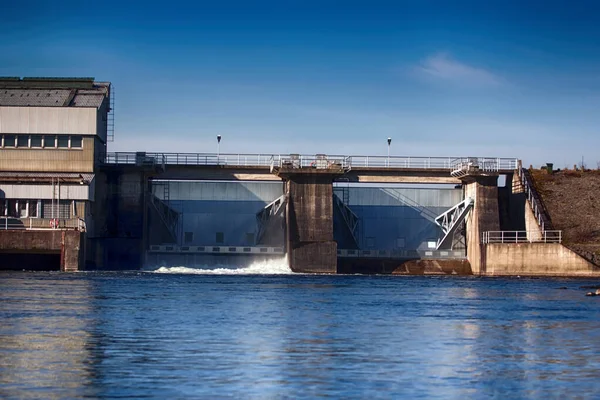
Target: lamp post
(218,147)
(389,140)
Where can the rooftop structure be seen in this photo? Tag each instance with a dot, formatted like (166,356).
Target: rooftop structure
(53,92)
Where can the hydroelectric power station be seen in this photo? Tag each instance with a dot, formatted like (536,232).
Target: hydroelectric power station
(67,203)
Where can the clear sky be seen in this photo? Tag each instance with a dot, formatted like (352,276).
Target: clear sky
(442,78)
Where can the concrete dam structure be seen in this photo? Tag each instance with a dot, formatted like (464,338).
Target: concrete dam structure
(331,214)
(67,204)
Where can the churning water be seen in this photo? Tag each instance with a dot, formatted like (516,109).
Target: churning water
(276,266)
(215,332)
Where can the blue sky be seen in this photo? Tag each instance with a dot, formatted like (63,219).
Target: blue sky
(442,78)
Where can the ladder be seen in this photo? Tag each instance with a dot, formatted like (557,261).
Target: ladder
(110,123)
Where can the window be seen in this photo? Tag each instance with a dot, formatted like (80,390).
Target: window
(76,142)
(11,208)
(36,140)
(9,141)
(52,209)
(33,208)
(22,205)
(49,141)
(22,141)
(188,237)
(63,142)
(42,141)
(220,237)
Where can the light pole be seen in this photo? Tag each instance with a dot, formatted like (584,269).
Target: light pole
(218,147)
(388,158)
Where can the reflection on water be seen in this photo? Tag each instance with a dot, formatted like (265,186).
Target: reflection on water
(189,335)
(44,337)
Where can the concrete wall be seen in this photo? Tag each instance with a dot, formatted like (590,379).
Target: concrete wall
(309,217)
(483,217)
(534,231)
(547,259)
(116,236)
(68,243)
(39,192)
(48,120)
(49,160)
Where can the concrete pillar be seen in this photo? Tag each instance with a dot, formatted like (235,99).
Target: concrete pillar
(309,217)
(483,217)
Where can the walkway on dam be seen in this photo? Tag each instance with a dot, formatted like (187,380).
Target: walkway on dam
(308,161)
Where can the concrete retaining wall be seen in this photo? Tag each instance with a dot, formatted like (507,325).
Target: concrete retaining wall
(67,243)
(536,259)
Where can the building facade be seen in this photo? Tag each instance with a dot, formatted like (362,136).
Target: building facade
(53,135)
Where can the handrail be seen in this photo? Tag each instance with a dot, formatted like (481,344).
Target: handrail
(305,160)
(508,237)
(42,224)
(539,211)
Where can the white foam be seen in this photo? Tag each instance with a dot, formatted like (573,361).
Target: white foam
(278,266)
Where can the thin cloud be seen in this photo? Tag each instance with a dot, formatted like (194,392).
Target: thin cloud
(443,67)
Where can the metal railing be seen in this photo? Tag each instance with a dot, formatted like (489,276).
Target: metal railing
(318,161)
(10,223)
(465,165)
(305,160)
(508,237)
(538,209)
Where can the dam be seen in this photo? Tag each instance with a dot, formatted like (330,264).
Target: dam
(69,204)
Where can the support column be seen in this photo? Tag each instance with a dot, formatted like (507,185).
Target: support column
(309,217)
(483,217)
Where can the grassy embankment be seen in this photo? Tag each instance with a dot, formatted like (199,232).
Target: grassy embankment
(572,199)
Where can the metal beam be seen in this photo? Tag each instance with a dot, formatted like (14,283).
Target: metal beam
(450,220)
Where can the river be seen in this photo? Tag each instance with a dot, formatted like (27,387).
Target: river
(262,332)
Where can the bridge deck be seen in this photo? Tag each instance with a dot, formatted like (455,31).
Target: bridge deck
(401,169)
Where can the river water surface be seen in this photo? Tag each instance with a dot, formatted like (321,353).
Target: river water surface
(264,333)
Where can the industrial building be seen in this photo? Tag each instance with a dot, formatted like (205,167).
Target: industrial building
(53,135)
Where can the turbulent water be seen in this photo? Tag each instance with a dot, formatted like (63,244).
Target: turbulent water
(276,266)
(262,332)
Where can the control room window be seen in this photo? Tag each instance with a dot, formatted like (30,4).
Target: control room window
(49,141)
(63,142)
(36,141)
(22,141)
(76,142)
(9,140)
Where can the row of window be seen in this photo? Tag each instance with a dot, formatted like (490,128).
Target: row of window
(42,141)
(17,208)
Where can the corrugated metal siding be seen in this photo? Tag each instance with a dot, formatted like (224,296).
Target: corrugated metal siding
(58,120)
(34,192)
